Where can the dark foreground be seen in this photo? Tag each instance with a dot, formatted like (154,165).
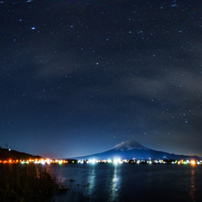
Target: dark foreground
(26,183)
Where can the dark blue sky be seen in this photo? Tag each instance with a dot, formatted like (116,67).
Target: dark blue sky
(77,78)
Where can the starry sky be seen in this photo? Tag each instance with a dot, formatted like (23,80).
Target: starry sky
(80,76)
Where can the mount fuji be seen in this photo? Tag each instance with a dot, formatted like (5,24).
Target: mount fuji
(132,149)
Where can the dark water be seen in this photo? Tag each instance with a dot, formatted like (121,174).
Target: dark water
(129,182)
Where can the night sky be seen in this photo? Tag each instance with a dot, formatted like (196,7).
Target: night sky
(78,77)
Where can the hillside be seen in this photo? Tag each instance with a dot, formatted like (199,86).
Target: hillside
(6,154)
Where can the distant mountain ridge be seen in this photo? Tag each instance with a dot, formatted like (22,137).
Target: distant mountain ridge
(6,154)
(132,149)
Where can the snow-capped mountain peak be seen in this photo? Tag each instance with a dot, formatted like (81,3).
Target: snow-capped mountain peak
(129,145)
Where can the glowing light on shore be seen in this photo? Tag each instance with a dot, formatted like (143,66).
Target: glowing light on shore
(117,161)
(109,161)
(92,161)
(193,162)
(43,162)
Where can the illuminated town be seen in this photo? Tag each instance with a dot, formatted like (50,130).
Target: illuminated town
(116,161)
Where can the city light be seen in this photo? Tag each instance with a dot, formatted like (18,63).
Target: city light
(193,162)
(115,161)
(109,161)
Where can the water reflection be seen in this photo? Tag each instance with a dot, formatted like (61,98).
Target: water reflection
(91,179)
(115,183)
(192,185)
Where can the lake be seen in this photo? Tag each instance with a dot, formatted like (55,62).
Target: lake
(129,182)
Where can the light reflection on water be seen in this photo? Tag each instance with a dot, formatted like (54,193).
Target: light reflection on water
(192,185)
(115,184)
(91,180)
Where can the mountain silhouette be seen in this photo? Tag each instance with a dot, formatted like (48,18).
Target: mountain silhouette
(6,154)
(132,149)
